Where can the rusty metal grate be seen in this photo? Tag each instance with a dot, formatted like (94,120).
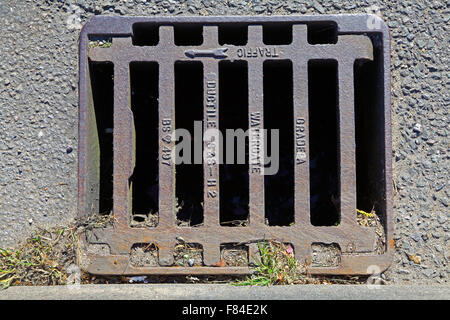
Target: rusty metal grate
(324,80)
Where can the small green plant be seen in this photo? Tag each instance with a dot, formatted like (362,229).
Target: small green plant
(276,265)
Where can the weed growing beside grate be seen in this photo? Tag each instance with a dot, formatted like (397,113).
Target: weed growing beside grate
(46,257)
(43,259)
(277,265)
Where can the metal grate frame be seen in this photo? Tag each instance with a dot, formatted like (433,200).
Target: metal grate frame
(356,242)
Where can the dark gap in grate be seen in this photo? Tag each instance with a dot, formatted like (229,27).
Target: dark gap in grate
(102,87)
(369,133)
(144,105)
(277,33)
(279,114)
(323,142)
(322,32)
(145,34)
(188,108)
(233,114)
(100,37)
(378,175)
(233,33)
(188,34)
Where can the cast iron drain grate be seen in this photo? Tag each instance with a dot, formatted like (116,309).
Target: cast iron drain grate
(323,81)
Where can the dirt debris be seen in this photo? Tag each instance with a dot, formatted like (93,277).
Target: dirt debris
(234,256)
(144,255)
(325,255)
(371,219)
(144,220)
(236,223)
(101,249)
(188,255)
(101,42)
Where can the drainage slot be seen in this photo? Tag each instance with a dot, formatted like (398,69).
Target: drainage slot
(279,115)
(188,34)
(102,86)
(369,131)
(144,104)
(145,34)
(234,34)
(279,33)
(323,142)
(322,32)
(233,123)
(188,174)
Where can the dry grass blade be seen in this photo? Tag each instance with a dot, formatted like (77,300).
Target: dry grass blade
(38,261)
(44,258)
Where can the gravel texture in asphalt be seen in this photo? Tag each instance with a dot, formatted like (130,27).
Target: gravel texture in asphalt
(38,113)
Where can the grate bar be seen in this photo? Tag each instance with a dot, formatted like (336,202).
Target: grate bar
(345,235)
(347,143)
(166,146)
(123,161)
(211,143)
(166,167)
(256,136)
(301,144)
